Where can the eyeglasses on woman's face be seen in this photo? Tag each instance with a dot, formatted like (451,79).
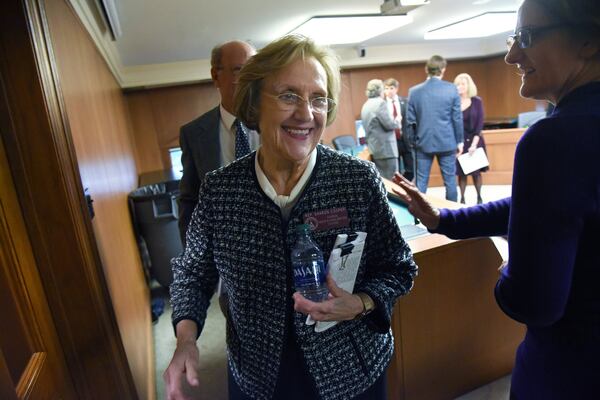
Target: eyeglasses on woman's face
(289,101)
(523,37)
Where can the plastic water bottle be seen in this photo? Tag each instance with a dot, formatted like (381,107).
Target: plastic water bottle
(309,269)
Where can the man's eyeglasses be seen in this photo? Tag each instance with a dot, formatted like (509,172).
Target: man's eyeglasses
(288,101)
(524,36)
(233,70)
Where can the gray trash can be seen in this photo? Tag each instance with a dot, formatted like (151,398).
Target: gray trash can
(154,213)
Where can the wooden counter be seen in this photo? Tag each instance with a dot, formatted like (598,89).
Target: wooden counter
(451,337)
(500,146)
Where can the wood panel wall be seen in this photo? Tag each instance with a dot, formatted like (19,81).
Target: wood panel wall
(98,119)
(158,113)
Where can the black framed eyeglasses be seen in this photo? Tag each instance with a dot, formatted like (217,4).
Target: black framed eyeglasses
(524,36)
(288,101)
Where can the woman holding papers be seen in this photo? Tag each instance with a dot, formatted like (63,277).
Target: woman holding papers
(244,227)
(472,111)
(551,282)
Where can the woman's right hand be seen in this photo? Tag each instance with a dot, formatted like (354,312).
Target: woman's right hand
(417,204)
(181,376)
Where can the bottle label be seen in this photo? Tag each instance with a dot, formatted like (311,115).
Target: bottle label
(309,274)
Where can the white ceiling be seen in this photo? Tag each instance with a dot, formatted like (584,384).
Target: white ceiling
(169,41)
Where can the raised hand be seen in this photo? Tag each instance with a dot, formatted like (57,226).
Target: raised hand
(417,204)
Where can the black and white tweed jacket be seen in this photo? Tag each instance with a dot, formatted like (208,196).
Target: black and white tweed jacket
(238,233)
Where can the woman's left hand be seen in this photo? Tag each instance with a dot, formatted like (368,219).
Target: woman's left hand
(340,306)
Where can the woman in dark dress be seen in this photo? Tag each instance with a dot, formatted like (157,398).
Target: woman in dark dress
(472,109)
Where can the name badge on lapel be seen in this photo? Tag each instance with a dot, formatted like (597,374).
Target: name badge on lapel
(327,219)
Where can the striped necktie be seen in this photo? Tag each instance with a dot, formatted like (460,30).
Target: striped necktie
(242,147)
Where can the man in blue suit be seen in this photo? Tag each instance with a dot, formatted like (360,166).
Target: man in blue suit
(209,141)
(435,123)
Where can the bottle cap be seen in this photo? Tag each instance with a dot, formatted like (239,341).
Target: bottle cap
(303,228)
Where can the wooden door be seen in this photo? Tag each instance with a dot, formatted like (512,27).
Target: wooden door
(30,354)
(59,337)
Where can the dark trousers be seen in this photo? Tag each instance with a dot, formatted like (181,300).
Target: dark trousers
(405,159)
(294,384)
(447,162)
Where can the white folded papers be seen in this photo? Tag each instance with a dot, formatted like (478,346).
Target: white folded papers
(343,264)
(473,162)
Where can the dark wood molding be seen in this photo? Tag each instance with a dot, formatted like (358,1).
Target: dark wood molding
(6,384)
(34,128)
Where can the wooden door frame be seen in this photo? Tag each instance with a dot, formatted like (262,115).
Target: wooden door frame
(43,164)
(6,382)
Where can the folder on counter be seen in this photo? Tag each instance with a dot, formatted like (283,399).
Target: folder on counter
(343,264)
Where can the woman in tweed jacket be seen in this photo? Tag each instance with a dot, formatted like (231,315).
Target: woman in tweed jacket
(244,226)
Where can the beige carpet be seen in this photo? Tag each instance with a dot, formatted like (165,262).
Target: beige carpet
(211,344)
(488,193)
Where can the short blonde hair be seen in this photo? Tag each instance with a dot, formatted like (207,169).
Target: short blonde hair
(374,88)
(273,58)
(471,87)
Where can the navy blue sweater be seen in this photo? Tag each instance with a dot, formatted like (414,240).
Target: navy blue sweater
(552,281)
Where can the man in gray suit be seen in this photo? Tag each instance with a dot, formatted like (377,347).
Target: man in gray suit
(435,122)
(379,130)
(211,140)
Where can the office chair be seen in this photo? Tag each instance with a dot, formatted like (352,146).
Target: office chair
(526,119)
(154,213)
(344,142)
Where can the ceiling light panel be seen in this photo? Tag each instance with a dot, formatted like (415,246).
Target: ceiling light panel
(350,29)
(482,25)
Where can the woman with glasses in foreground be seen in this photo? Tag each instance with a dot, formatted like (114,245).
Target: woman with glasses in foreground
(243,229)
(551,282)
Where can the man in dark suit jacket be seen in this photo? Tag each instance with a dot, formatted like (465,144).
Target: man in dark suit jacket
(435,118)
(405,156)
(208,142)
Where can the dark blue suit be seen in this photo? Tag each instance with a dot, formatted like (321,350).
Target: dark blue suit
(201,153)
(434,112)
